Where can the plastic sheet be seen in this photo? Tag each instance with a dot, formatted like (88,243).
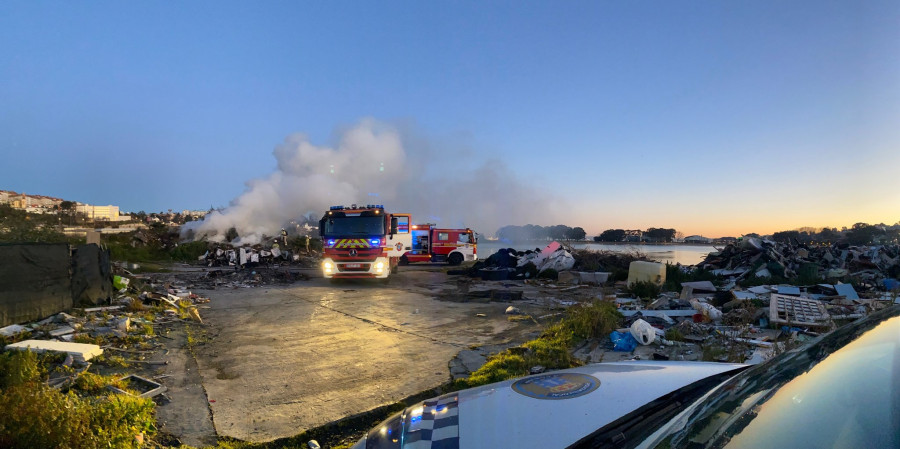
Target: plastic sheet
(623,341)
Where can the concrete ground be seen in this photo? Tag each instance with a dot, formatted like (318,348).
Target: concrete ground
(274,362)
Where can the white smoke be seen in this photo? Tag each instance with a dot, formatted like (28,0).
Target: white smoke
(370,165)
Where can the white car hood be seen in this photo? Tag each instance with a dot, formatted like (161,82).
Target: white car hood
(550,410)
(498,415)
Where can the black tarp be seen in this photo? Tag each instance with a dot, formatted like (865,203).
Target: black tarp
(35,281)
(91,276)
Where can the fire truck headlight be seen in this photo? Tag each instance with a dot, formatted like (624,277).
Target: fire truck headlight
(327,266)
(379,267)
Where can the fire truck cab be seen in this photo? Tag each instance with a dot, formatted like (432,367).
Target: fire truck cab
(362,242)
(431,244)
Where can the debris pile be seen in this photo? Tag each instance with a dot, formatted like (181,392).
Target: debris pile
(762,258)
(110,338)
(220,255)
(555,258)
(744,303)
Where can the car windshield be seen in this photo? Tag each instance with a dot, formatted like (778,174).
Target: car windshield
(840,391)
(338,226)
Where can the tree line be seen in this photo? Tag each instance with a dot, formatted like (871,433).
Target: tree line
(535,232)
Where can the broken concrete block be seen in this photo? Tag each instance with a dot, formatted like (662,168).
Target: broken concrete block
(62,331)
(12,329)
(82,352)
(64,317)
(123,324)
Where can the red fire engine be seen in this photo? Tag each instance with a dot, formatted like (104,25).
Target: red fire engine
(431,244)
(363,241)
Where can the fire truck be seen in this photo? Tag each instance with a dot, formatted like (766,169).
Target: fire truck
(432,244)
(363,242)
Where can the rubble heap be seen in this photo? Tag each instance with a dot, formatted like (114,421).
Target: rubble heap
(768,259)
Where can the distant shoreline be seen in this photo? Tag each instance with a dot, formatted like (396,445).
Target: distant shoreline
(545,242)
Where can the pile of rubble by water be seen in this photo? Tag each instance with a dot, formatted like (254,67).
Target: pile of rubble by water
(870,266)
(762,297)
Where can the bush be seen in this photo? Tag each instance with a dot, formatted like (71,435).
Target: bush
(674,334)
(35,415)
(498,368)
(189,252)
(644,290)
(597,319)
(551,349)
(19,367)
(676,274)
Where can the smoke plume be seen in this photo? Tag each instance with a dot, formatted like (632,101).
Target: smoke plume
(375,163)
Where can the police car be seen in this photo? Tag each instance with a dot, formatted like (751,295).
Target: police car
(841,390)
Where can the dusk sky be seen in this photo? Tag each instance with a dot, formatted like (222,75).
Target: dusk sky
(711,117)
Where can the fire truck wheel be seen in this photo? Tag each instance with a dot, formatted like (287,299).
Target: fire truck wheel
(455,259)
(404,260)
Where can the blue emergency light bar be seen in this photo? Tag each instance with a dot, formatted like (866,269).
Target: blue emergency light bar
(368,206)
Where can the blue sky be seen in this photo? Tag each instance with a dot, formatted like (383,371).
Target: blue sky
(711,117)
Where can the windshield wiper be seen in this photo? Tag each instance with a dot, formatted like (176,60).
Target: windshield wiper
(634,427)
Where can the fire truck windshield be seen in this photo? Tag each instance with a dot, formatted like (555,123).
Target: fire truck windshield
(338,226)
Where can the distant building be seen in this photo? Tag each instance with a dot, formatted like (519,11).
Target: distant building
(195,213)
(31,203)
(697,239)
(18,201)
(90,212)
(633,235)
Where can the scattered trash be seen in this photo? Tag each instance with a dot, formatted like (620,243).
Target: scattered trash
(707,310)
(623,341)
(642,271)
(798,311)
(643,332)
(146,388)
